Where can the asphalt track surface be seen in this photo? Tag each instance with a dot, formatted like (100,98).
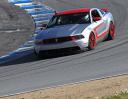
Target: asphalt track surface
(108,59)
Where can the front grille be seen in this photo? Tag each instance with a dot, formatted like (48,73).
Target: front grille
(56,40)
(62,39)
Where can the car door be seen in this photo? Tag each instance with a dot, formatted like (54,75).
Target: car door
(99,25)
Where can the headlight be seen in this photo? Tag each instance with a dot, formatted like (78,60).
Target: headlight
(76,37)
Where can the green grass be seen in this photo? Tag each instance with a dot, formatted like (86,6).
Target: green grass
(122,95)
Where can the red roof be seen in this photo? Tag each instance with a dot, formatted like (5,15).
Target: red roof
(73,11)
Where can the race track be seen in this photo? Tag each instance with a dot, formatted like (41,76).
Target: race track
(108,59)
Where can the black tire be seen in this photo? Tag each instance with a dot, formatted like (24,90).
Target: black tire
(112,33)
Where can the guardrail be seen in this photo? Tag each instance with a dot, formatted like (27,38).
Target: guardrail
(39,11)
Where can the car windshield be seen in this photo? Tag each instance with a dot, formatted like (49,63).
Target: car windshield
(78,18)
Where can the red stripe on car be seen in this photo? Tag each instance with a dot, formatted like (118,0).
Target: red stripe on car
(102,34)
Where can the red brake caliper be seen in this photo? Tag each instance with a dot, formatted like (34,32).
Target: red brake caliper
(112,31)
(92,41)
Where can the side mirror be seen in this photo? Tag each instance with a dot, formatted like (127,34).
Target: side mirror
(43,26)
(96,19)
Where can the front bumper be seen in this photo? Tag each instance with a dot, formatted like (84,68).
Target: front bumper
(81,44)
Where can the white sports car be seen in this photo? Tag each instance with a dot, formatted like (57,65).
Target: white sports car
(75,29)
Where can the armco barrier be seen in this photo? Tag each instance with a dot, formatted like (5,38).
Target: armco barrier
(39,12)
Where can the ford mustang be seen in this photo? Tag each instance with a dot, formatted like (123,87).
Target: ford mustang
(75,29)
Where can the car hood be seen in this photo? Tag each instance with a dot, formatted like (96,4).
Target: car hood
(61,31)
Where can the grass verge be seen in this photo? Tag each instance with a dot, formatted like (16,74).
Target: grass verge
(122,95)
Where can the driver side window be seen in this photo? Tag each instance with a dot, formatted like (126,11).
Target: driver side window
(95,15)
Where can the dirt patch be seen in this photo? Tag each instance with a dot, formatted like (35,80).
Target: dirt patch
(16,27)
(86,90)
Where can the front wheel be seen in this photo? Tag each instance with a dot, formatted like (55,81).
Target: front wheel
(92,42)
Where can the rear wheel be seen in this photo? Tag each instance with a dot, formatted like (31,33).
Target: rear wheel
(92,42)
(111,34)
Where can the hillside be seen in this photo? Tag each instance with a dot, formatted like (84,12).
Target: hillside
(16,27)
